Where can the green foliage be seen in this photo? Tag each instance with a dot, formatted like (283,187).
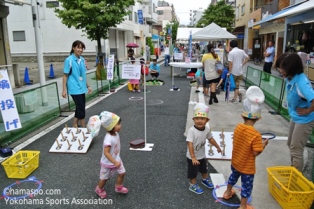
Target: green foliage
(222,14)
(150,44)
(174,24)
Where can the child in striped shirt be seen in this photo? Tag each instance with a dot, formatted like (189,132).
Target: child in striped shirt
(247,145)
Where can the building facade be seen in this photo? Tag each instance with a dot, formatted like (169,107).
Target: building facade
(195,16)
(57,38)
(166,14)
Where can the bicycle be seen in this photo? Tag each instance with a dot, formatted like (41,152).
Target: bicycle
(258,61)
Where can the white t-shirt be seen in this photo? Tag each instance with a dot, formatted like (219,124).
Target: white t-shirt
(237,56)
(114,143)
(167,50)
(198,138)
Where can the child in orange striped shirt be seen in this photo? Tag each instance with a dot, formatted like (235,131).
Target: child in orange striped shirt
(247,144)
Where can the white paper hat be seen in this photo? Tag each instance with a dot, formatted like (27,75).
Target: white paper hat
(201,110)
(252,104)
(109,120)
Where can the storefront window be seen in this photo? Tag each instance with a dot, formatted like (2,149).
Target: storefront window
(301,38)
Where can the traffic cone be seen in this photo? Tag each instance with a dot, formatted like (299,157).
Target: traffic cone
(26,77)
(51,73)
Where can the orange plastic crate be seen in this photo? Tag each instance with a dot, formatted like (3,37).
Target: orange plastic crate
(290,188)
(21,164)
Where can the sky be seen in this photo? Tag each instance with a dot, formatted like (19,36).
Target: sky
(182,8)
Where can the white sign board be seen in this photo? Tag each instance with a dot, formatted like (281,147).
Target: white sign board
(131,71)
(8,107)
(220,53)
(178,56)
(110,67)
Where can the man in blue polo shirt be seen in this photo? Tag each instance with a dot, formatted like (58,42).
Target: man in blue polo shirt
(269,55)
(154,69)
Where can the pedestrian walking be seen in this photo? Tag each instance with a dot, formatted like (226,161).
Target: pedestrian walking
(111,162)
(212,76)
(237,58)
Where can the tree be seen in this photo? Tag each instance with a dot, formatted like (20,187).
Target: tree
(174,29)
(222,14)
(94,17)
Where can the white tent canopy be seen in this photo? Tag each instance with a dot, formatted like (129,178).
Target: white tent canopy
(212,32)
(184,33)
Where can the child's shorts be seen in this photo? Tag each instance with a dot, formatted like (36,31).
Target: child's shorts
(246,179)
(194,169)
(106,173)
(198,80)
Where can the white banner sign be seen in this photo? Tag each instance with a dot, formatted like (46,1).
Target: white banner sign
(178,56)
(110,67)
(131,71)
(8,107)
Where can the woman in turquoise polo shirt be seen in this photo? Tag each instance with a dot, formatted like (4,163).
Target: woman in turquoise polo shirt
(75,83)
(300,98)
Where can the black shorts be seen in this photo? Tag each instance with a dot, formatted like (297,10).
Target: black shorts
(194,169)
(216,80)
(79,101)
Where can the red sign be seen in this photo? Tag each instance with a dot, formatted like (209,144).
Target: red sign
(168,37)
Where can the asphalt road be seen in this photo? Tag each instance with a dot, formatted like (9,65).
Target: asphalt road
(156,179)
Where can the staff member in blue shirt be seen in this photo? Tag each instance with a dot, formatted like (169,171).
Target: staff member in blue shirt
(154,69)
(269,55)
(74,81)
(300,99)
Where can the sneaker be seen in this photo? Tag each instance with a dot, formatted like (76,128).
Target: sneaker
(139,91)
(101,192)
(233,101)
(121,189)
(196,91)
(240,97)
(196,189)
(133,90)
(207,182)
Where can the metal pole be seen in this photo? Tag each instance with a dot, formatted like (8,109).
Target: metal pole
(144,54)
(39,50)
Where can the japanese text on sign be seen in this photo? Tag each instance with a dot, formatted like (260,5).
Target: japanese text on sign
(8,108)
(131,71)
(110,67)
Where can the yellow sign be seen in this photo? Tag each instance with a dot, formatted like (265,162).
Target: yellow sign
(161,33)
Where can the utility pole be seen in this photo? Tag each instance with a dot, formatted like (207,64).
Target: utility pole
(39,50)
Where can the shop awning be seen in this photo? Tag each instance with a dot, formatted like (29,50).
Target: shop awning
(308,5)
(274,16)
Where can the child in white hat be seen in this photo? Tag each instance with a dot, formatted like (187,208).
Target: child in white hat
(110,160)
(195,154)
(247,144)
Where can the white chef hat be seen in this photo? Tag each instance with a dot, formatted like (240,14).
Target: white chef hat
(252,104)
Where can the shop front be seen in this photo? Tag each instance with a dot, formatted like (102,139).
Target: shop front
(300,37)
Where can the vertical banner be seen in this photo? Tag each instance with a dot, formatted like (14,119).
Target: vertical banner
(140,17)
(220,53)
(8,107)
(110,67)
(190,45)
